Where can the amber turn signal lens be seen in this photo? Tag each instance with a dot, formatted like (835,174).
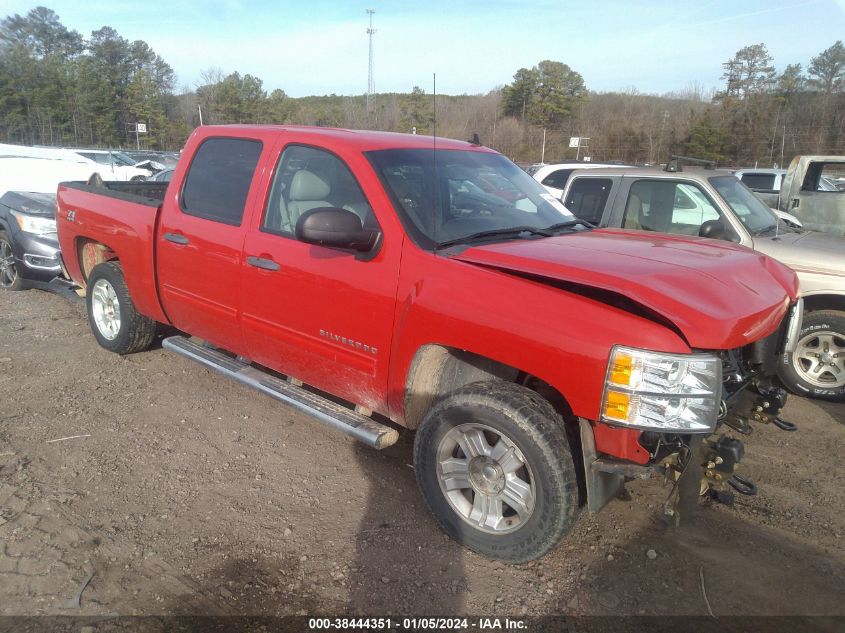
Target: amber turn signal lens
(616,405)
(621,369)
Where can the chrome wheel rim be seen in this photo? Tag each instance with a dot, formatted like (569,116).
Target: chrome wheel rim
(105,308)
(819,359)
(8,270)
(485,478)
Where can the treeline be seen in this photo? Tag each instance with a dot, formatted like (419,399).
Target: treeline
(60,88)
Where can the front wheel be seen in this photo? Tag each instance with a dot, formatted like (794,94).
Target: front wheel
(116,324)
(495,468)
(817,366)
(9,277)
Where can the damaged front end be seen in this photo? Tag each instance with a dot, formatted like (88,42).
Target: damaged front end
(700,461)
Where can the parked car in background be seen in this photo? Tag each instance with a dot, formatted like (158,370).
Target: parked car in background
(762,180)
(29,246)
(539,361)
(115,165)
(164,175)
(811,190)
(165,159)
(41,175)
(553,177)
(715,204)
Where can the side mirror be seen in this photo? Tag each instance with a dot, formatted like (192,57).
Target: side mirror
(336,228)
(714,229)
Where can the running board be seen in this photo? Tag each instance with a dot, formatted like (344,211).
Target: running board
(334,415)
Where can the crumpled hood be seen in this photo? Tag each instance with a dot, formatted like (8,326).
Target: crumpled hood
(719,295)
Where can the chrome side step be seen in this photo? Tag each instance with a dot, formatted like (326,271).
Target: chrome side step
(334,415)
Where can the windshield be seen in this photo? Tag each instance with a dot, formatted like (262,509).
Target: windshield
(447,195)
(751,211)
(122,159)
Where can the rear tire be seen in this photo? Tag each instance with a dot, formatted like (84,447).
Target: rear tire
(117,325)
(10,278)
(816,368)
(495,468)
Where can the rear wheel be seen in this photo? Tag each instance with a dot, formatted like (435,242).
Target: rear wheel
(817,366)
(9,277)
(116,324)
(496,470)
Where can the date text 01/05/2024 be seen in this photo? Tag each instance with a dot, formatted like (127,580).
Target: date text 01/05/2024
(413,624)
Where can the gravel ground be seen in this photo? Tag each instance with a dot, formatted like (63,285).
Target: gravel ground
(191,494)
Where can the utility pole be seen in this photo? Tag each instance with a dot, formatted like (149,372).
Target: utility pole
(371,83)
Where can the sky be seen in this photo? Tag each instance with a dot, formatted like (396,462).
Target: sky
(316,47)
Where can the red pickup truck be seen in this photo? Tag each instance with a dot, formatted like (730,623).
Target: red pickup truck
(369,279)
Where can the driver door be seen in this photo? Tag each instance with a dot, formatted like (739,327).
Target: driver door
(318,314)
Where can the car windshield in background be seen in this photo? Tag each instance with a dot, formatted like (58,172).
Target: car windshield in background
(122,159)
(445,196)
(751,211)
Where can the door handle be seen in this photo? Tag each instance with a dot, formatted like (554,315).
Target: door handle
(796,202)
(176,238)
(262,262)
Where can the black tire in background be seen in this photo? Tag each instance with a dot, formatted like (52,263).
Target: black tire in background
(136,332)
(808,371)
(537,432)
(10,278)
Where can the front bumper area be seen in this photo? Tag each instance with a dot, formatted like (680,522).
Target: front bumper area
(702,465)
(36,256)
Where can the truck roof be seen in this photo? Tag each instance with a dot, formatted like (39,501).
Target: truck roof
(363,140)
(655,172)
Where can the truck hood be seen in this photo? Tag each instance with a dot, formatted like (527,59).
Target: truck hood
(809,251)
(717,295)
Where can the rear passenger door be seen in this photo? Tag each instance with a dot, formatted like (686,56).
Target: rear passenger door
(200,241)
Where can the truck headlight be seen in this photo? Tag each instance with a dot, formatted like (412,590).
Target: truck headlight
(677,393)
(34,224)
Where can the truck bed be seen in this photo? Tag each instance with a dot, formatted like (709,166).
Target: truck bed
(121,216)
(147,193)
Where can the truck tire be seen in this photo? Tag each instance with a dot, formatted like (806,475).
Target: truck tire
(817,366)
(10,279)
(116,324)
(496,470)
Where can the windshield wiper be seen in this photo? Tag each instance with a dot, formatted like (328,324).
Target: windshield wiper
(513,231)
(766,229)
(568,224)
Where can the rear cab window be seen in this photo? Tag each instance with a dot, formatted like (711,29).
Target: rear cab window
(759,182)
(219,178)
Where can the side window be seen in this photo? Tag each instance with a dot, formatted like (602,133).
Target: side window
(218,180)
(832,178)
(668,207)
(309,178)
(759,182)
(587,198)
(557,179)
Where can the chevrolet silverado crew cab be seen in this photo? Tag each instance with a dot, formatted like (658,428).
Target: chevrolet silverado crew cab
(713,203)
(368,279)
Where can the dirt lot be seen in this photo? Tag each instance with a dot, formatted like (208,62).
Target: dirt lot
(192,494)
